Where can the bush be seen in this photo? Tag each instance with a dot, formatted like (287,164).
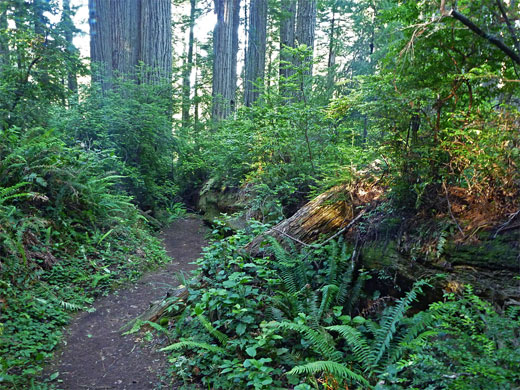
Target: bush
(66,235)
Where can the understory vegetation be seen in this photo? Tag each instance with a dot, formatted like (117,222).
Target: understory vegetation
(302,320)
(409,110)
(68,235)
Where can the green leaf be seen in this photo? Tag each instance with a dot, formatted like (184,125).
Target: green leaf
(241,328)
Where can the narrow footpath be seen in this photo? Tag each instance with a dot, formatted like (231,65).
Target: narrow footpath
(96,356)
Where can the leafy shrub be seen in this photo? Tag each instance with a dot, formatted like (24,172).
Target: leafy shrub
(66,235)
(132,120)
(291,320)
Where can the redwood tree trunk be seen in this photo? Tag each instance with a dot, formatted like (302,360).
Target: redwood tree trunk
(306,27)
(287,39)
(101,41)
(255,59)
(224,59)
(68,25)
(124,23)
(234,61)
(124,33)
(156,39)
(186,81)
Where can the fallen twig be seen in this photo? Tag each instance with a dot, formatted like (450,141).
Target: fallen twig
(289,236)
(505,226)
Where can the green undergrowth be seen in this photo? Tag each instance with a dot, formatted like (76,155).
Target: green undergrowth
(67,235)
(302,319)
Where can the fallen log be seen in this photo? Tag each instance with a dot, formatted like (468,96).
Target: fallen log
(393,248)
(157,309)
(324,216)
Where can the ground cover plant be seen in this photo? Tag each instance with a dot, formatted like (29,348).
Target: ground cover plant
(295,319)
(67,235)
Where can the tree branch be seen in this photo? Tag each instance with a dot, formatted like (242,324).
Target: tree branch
(509,25)
(453,13)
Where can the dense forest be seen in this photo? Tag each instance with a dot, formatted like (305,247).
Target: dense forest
(358,162)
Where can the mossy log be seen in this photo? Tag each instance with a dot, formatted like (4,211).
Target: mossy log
(321,217)
(157,309)
(391,248)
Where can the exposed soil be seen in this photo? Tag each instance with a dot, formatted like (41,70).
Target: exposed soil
(96,356)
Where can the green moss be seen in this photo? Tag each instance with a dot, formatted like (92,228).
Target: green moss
(501,252)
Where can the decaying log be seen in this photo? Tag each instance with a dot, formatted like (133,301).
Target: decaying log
(490,263)
(323,216)
(158,308)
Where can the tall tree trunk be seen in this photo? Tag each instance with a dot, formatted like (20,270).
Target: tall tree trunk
(68,25)
(306,28)
(186,79)
(4,44)
(101,42)
(156,39)
(255,60)
(224,70)
(331,63)
(125,17)
(234,60)
(287,32)
(126,32)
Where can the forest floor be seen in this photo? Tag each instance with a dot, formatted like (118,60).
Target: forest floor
(95,355)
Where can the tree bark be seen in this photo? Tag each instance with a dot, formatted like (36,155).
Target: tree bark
(101,41)
(225,47)
(186,81)
(306,28)
(125,32)
(156,40)
(287,39)
(255,60)
(68,25)
(234,60)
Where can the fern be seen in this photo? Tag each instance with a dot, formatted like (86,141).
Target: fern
(355,290)
(388,329)
(193,345)
(334,368)
(328,293)
(71,306)
(221,337)
(356,341)
(320,341)
(415,332)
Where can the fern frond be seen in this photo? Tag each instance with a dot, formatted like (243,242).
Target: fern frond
(386,333)
(328,293)
(193,345)
(344,285)
(320,341)
(356,341)
(356,290)
(71,306)
(334,368)
(221,337)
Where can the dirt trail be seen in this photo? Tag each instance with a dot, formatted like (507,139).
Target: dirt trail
(95,355)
